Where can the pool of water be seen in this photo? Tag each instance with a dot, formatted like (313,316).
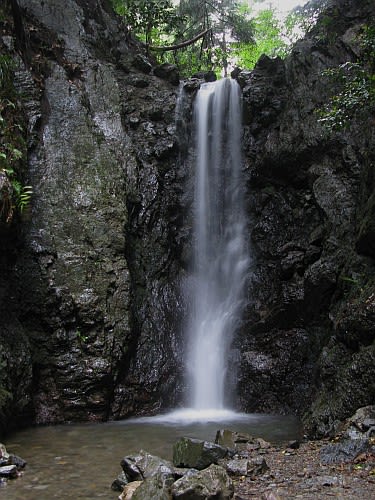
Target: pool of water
(80,461)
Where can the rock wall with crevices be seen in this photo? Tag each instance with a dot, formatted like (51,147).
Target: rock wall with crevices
(92,285)
(307,344)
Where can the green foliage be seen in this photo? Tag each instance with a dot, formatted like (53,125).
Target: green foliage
(191,60)
(82,339)
(13,195)
(268,40)
(160,23)
(194,19)
(147,18)
(367,41)
(4,396)
(357,92)
(242,25)
(22,194)
(274,37)
(302,19)
(228,22)
(354,86)
(235,36)
(6,69)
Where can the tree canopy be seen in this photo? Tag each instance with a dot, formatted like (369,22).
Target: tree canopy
(147,18)
(214,34)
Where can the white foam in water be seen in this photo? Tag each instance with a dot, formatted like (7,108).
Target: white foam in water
(186,416)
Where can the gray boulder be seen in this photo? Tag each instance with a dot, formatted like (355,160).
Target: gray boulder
(362,422)
(198,454)
(168,72)
(157,487)
(144,465)
(239,441)
(8,471)
(120,482)
(247,467)
(208,484)
(344,451)
(142,63)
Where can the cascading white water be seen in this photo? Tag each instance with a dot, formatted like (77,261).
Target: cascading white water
(220,253)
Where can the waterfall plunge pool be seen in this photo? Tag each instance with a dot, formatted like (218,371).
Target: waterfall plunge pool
(80,461)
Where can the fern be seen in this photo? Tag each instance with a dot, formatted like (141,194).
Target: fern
(24,197)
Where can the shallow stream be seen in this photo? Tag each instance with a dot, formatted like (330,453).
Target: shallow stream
(80,461)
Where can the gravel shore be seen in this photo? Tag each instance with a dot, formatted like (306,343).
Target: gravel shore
(299,473)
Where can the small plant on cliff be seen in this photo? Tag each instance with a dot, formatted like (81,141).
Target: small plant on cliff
(14,196)
(81,337)
(6,68)
(356,94)
(354,83)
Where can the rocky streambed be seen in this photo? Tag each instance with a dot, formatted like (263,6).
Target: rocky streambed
(11,465)
(240,466)
(236,465)
(302,473)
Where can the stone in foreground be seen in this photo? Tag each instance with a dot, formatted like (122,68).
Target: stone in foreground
(9,471)
(129,490)
(188,452)
(240,441)
(157,487)
(143,465)
(247,467)
(208,484)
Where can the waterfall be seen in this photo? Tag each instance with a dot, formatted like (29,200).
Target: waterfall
(220,257)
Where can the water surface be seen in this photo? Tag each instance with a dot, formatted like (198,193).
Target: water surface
(81,461)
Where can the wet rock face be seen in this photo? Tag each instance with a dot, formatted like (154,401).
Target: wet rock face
(307,341)
(94,283)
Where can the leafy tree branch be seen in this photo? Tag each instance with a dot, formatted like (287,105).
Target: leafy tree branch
(353,84)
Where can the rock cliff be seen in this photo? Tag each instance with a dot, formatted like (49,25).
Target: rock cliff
(307,344)
(89,323)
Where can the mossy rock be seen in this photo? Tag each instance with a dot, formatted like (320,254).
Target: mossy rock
(188,452)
